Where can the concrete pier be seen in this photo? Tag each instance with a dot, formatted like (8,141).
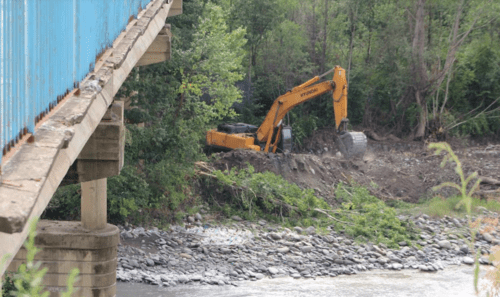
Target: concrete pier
(67,245)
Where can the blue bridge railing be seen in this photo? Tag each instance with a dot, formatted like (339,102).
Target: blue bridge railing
(47,47)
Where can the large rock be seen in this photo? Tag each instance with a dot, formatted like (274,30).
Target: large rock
(444,244)
(283,250)
(383,260)
(405,250)
(397,266)
(411,259)
(489,238)
(294,237)
(311,230)
(127,235)
(395,259)
(225,250)
(306,249)
(182,279)
(379,250)
(186,256)
(468,260)
(196,277)
(298,229)
(150,262)
(275,236)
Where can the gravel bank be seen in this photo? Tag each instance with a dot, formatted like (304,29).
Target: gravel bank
(203,254)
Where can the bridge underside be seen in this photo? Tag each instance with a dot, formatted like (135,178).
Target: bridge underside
(32,173)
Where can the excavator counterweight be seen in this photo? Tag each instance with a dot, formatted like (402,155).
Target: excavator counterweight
(272,132)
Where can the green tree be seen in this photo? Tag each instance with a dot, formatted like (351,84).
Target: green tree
(178,101)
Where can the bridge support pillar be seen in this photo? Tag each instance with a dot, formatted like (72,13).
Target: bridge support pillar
(67,245)
(94,204)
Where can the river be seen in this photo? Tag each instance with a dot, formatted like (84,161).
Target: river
(454,281)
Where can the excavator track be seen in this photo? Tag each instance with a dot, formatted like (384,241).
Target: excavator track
(352,144)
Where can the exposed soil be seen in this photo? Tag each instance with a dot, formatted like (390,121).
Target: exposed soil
(390,169)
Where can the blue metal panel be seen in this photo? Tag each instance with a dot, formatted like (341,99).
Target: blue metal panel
(47,47)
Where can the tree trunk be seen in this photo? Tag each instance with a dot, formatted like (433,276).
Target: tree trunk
(325,25)
(313,37)
(422,121)
(429,27)
(249,78)
(353,16)
(370,33)
(419,71)
(368,49)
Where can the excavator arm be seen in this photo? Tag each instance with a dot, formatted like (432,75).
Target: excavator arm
(302,93)
(283,104)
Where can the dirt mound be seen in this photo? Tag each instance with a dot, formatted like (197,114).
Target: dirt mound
(390,170)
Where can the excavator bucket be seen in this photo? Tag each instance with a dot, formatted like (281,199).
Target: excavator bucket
(352,144)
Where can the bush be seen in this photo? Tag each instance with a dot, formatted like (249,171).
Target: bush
(265,194)
(366,218)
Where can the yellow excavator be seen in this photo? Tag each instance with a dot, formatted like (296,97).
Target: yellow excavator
(272,133)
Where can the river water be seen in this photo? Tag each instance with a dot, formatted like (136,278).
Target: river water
(452,282)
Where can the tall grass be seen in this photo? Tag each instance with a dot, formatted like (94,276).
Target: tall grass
(451,206)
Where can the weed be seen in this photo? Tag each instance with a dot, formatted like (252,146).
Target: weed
(451,206)
(8,283)
(400,205)
(366,218)
(464,200)
(439,207)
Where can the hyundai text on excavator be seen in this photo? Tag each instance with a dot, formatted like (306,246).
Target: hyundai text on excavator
(273,133)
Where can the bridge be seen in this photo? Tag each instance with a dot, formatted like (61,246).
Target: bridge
(61,64)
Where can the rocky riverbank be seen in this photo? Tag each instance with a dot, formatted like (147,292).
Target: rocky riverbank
(206,254)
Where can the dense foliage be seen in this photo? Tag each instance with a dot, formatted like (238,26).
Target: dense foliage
(367,218)
(415,67)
